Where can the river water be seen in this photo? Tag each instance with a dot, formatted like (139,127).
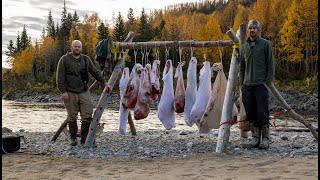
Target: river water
(46,117)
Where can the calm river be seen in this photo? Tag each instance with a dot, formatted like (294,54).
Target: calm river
(45,117)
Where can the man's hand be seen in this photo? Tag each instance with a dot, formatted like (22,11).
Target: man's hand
(65,97)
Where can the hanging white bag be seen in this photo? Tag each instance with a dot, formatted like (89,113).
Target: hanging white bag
(191,90)
(123,117)
(212,116)
(203,94)
(165,109)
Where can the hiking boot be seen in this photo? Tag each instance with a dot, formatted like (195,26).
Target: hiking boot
(265,137)
(73,141)
(256,136)
(73,133)
(84,131)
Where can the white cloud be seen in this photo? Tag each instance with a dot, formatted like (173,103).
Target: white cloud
(34,13)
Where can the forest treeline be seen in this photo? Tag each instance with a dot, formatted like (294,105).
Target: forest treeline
(290,25)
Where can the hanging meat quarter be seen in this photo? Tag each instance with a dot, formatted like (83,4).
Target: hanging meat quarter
(130,96)
(154,79)
(142,109)
(179,98)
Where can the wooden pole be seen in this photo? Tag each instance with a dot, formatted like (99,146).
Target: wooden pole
(132,128)
(105,97)
(56,135)
(224,130)
(189,43)
(291,112)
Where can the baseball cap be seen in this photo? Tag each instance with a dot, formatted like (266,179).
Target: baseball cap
(255,23)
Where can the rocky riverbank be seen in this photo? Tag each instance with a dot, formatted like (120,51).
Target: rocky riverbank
(167,143)
(299,101)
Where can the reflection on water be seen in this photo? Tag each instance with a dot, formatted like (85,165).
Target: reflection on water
(45,117)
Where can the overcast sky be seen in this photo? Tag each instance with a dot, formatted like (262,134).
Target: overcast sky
(34,14)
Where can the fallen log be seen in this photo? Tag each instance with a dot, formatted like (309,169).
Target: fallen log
(290,111)
(293,129)
(61,128)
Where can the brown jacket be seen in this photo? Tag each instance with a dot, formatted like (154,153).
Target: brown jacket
(68,73)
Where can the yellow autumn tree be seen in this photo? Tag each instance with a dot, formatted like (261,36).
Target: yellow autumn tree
(241,16)
(302,16)
(210,32)
(48,56)
(22,64)
(88,34)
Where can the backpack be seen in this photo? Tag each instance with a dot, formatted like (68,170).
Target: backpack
(102,52)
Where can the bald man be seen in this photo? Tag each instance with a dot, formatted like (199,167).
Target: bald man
(72,80)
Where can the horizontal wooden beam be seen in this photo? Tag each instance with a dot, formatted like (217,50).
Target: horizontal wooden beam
(155,44)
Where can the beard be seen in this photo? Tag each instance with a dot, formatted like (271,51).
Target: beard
(76,53)
(253,34)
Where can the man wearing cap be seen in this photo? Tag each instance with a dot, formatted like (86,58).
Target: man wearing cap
(256,69)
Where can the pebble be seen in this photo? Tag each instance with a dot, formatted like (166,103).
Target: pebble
(183,133)
(284,138)
(295,137)
(189,144)
(297,145)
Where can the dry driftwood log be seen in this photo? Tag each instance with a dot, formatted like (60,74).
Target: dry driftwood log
(61,128)
(290,111)
(293,129)
(105,97)
(224,130)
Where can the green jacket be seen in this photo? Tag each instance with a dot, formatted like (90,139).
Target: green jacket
(256,63)
(68,73)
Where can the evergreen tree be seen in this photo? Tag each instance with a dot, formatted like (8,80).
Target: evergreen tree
(119,32)
(11,49)
(75,18)
(18,44)
(64,21)
(145,28)
(75,23)
(24,38)
(158,30)
(51,32)
(130,25)
(130,17)
(70,23)
(102,32)
(43,35)
(57,30)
